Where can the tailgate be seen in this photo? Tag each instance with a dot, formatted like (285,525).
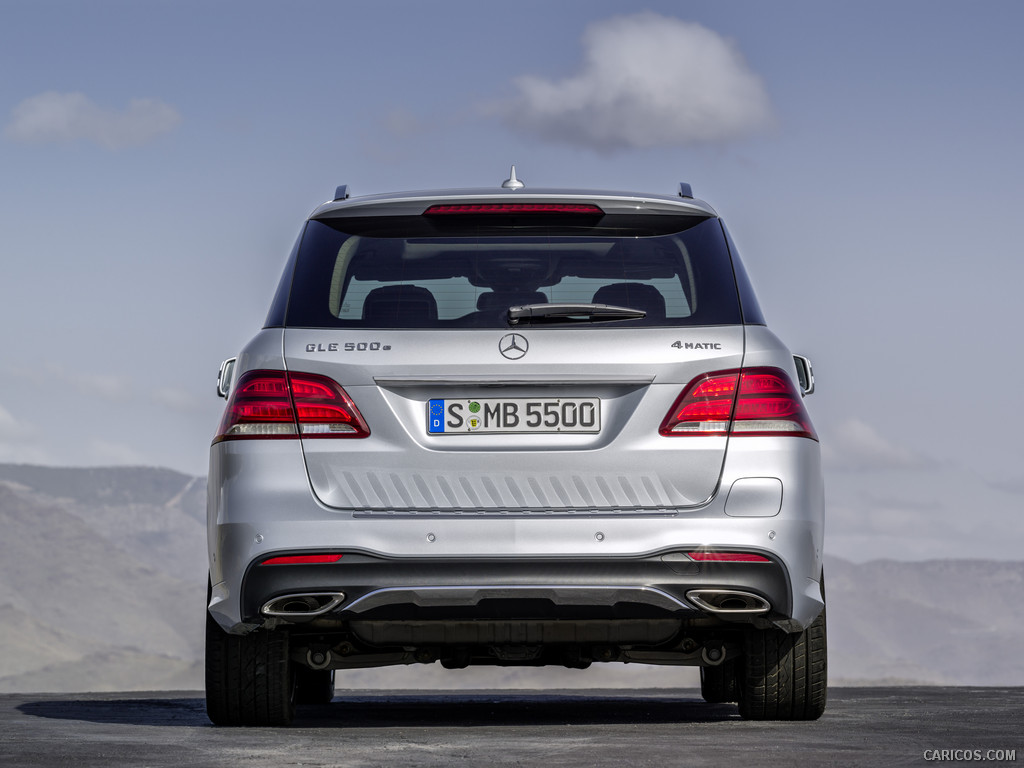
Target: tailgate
(570,426)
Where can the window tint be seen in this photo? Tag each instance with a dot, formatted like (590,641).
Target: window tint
(350,275)
(752,314)
(279,305)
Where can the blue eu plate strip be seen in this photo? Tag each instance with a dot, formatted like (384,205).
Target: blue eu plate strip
(435,416)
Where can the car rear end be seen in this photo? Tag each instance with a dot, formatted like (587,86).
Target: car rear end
(514,427)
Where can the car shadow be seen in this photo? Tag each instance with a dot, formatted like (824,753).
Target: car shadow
(364,709)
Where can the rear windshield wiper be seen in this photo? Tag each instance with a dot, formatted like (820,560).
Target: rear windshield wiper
(534,314)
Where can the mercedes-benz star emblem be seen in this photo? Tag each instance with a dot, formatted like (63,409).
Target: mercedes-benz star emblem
(513,345)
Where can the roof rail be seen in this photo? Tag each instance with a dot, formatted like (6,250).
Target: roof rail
(685,190)
(341,193)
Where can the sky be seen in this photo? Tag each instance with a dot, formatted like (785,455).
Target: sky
(157,160)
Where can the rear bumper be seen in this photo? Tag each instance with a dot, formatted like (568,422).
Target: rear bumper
(261,506)
(417,588)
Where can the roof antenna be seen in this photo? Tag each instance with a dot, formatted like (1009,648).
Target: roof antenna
(512,182)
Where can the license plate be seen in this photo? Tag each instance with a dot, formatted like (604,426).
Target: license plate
(515,415)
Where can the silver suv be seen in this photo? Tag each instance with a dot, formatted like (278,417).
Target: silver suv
(515,427)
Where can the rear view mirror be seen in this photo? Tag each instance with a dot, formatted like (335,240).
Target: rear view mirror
(227,373)
(805,373)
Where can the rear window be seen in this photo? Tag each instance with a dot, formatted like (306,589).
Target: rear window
(407,272)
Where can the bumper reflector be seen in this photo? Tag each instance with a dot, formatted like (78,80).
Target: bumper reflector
(727,557)
(302,559)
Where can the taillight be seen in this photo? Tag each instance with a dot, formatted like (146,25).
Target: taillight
(704,407)
(324,409)
(751,401)
(587,209)
(279,404)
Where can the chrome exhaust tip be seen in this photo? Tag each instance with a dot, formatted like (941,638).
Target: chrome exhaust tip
(302,606)
(728,602)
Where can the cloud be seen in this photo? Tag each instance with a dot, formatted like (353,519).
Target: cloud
(646,81)
(107,386)
(105,452)
(177,400)
(53,117)
(110,387)
(11,428)
(1012,485)
(18,441)
(860,447)
(401,123)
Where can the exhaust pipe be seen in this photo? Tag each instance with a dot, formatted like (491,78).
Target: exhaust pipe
(728,602)
(302,606)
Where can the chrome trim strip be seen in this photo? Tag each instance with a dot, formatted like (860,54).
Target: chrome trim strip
(501,380)
(558,594)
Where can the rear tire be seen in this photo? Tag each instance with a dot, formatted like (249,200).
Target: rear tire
(784,676)
(314,686)
(249,678)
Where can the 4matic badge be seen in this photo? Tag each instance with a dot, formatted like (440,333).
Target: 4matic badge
(696,345)
(513,345)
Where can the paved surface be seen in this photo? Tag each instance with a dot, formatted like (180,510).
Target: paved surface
(624,729)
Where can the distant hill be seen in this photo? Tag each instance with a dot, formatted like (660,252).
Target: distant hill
(956,622)
(102,571)
(103,580)
(109,485)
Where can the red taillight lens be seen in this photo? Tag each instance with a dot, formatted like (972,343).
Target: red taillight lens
(704,407)
(752,401)
(260,406)
(492,208)
(769,404)
(324,409)
(755,383)
(302,560)
(727,557)
(276,404)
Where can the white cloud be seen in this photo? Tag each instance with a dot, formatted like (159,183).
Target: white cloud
(18,441)
(177,400)
(110,387)
(105,452)
(856,445)
(401,123)
(11,428)
(107,386)
(53,117)
(646,81)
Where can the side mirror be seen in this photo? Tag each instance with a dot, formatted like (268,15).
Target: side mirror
(227,373)
(805,373)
